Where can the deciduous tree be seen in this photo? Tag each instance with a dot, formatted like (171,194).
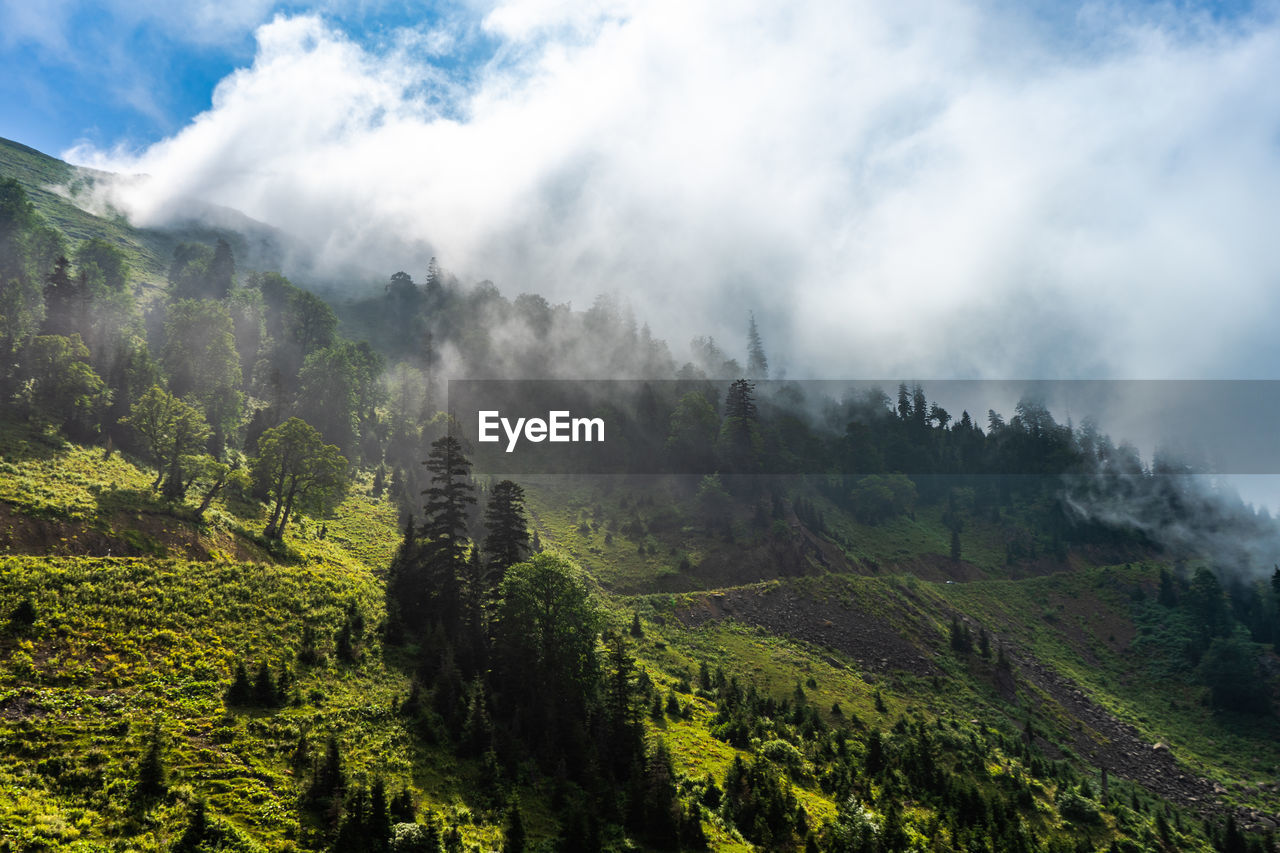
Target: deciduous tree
(169,427)
(299,471)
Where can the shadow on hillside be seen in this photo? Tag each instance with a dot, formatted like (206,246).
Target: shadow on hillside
(22,443)
(115,500)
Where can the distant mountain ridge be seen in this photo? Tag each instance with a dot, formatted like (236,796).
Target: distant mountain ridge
(256,244)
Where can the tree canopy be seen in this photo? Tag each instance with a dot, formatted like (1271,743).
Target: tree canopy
(298,472)
(169,427)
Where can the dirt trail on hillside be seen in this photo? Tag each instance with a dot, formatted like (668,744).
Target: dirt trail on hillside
(120,534)
(880,644)
(872,641)
(1110,743)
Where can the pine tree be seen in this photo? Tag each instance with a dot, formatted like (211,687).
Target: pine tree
(434,284)
(379,819)
(513,838)
(757,363)
(919,407)
(476,594)
(151,770)
(621,709)
(264,687)
(329,779)
(508,539)
(740,443)
(63,299)
(477,731)
(402,810)
(904,402)
(444,535)
(740,401)
(240,693)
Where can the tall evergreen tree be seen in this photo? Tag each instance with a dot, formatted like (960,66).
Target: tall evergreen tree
(508,539)
(151,770)
(740,442)
(447,498)
(757,362)
(513,838)
(425,586)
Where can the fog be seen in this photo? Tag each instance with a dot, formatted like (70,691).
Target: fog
(929,188)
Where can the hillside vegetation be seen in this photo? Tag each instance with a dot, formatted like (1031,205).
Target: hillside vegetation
(254,597)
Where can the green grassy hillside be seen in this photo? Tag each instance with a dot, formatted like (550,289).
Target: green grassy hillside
(825,663)
(51,185)
(113,649)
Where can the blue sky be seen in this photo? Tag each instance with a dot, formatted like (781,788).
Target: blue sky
(957,188)
(132,73)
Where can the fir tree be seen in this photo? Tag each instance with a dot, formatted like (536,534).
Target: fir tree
(508,539)
(513,838)
(757,363)
(264,687)
(329,779)
(240,693)
(444,534)
(151,773)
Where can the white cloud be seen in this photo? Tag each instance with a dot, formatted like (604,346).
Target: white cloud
(930,187)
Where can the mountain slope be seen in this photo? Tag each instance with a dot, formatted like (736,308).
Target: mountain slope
(777,665)
(52,185)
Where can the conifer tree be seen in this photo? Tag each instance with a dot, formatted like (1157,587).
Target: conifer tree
(151,769)
(477,731)
(264,687)
(64,300)
(740,443)
(508,539)
(757,363)
(444,534)
(513,838)
(240,693)
(329,779)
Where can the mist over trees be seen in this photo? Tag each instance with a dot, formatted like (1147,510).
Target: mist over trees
(241,381)
(248,350)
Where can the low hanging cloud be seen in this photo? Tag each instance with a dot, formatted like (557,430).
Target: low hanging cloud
(929,188)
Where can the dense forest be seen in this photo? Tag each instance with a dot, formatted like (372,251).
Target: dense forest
(566,703)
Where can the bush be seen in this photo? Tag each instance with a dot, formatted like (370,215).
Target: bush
(1230,670)
(785,755)
(1077,809)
